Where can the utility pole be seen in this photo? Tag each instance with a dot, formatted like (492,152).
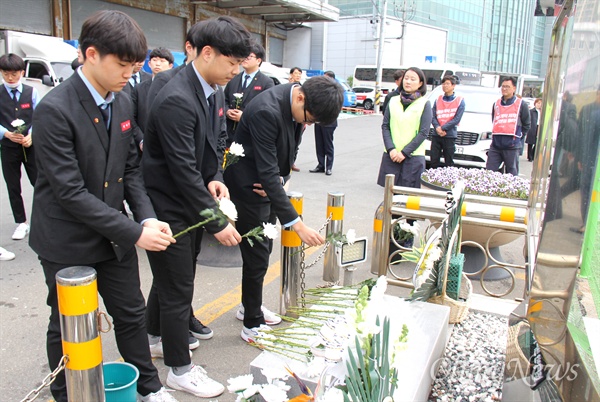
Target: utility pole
(382,14)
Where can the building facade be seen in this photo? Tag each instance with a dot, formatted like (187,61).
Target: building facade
(489,35)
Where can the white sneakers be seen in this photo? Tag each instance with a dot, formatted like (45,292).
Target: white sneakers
(270,317)
(21,231)
(6,255)
(195,382)
(162,395)
(250,334)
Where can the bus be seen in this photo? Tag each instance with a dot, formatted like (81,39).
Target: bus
(528,86)
(434,72)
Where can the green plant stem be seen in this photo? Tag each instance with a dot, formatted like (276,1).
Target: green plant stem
(196,226)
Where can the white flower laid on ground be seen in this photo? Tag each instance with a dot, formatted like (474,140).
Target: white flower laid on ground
(275,390)
(233,154)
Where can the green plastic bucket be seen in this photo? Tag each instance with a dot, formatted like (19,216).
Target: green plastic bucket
(120,382)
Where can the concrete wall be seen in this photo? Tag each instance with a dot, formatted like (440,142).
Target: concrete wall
(296,49)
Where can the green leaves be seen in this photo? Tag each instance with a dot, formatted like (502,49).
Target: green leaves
(370,378)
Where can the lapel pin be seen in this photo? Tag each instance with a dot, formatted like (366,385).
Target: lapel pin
(96,120)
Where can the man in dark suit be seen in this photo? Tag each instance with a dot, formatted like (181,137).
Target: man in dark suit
(87,167)
(270,132)
(532,133)
(161,59)
(248,84)
(197,329)
(183,177)
(324,142)
(138,77)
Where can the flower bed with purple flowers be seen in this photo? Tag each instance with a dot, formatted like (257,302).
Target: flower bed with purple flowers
(479,182)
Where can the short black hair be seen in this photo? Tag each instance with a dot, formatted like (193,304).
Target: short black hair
(398,75)
(294,69)
(162,53)
(75,63)
(113,32)
(450,78)
(12,62)
(323,98)
(513,80)
(329,74)
(224,34)
(258,50)
(423,88)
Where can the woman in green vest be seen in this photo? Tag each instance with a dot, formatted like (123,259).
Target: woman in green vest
(405,127)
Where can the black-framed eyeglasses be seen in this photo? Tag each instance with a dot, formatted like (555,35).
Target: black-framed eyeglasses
(306,120)
(251,56)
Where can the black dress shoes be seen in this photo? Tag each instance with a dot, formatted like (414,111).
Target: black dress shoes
(328,172)
(318,169)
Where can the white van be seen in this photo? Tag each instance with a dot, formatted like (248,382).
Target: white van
(47,58)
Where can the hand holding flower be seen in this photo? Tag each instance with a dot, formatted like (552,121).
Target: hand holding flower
(18,137)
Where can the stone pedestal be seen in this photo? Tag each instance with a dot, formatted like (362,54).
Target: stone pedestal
(428,332)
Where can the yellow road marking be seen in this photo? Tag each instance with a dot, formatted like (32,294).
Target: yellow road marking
(231,299)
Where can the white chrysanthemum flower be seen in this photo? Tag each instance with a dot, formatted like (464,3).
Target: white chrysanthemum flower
(240,383)
(274,373)
(236,149)
(351,236)
(228,208)
(17,123)
(270,230)
(252,390)
(238,95)
(272,393)
(333,394)
(434,254)
(282,385)
(379,289)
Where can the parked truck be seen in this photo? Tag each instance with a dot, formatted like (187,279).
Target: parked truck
(47,58)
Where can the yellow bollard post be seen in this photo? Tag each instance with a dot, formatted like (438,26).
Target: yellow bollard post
(291,260)
(78,307)
(335,209)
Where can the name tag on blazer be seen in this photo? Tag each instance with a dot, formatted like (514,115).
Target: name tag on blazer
(258,88)
(126,125)
(25,105)
(220,112)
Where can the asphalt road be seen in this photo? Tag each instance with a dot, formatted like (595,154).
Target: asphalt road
(24,314)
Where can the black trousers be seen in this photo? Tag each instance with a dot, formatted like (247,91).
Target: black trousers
(119,285)
(442,146)
(12,158)
(153,305)
(173,285)
(255,259)
(324,145)
(530,152)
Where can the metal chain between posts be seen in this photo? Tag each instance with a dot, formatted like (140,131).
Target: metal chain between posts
(304,267)
(49,379)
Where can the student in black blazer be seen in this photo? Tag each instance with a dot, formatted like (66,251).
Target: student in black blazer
(137,78)
(183,177)
(85,172)
(270,132)
(249,83)
(161,59)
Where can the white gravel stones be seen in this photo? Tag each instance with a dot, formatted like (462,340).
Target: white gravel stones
(472,368)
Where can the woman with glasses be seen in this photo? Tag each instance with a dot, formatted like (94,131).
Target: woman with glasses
(405,126)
